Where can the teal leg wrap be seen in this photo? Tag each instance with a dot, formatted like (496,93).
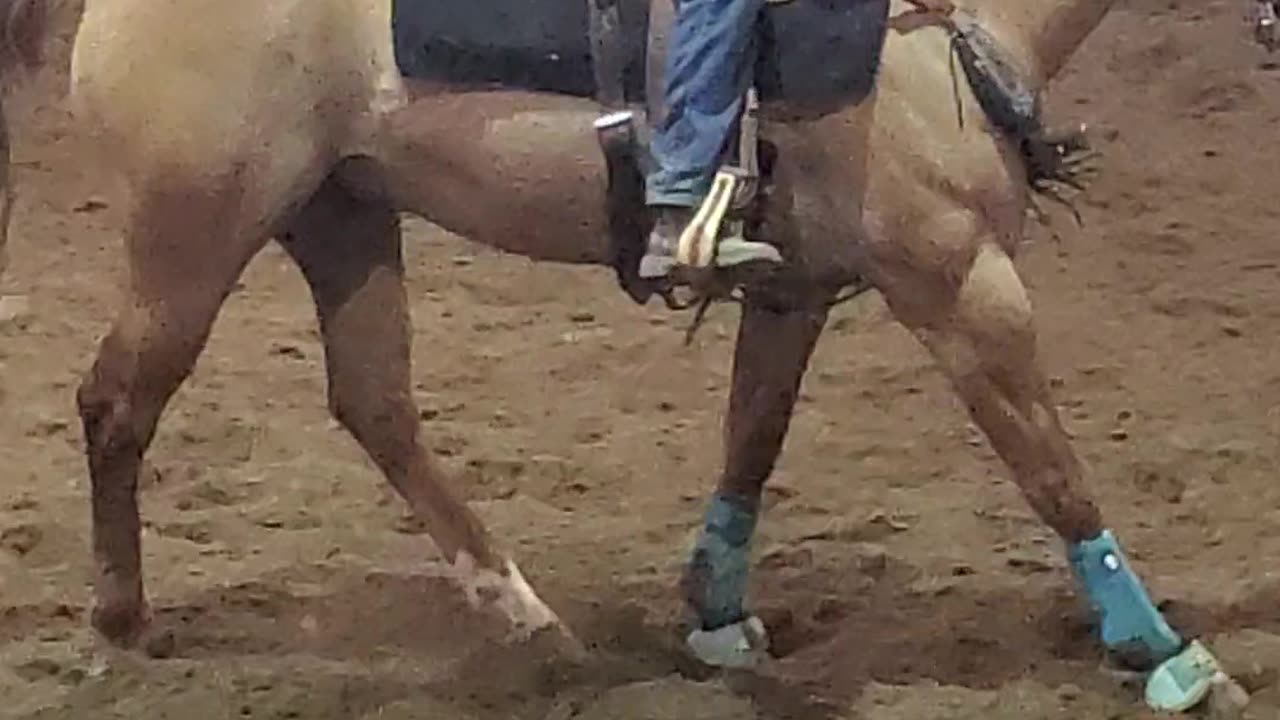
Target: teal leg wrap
(1132,627)
(716,579)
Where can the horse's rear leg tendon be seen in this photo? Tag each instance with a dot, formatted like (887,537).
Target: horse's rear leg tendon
(349,251)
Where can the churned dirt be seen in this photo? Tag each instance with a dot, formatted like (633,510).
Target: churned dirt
(903,576)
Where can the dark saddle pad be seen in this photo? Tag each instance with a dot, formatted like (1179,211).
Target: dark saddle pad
(814,53)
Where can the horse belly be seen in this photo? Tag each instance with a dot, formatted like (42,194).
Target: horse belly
(517,171)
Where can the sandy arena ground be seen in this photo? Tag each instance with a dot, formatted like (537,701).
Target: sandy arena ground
(903,576)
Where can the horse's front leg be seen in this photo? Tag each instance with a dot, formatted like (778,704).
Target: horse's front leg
(772,353)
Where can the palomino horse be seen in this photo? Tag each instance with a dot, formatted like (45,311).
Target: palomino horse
(22,29)
(231,122)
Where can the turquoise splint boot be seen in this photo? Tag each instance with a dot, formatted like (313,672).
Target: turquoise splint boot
(1135,630)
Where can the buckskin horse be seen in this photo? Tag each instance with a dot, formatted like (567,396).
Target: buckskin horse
(233,122)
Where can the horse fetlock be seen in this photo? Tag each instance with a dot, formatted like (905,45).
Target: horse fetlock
(1132,629)
(1055,493)
(505,590)
(121,618)
(133,628)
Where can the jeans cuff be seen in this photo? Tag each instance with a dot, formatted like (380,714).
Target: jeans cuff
(688,193)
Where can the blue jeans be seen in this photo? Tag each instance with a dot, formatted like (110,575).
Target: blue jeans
(709,62)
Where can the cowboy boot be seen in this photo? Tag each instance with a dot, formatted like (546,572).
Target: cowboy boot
(664,242)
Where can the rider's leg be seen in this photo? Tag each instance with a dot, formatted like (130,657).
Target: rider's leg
(712,51)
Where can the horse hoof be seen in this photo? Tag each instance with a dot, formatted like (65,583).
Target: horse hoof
(131,628)
(744,644)
(1189,678)
(123,627)
(556,640)
(158,644)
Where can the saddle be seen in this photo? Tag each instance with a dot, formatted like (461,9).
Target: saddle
(815,57)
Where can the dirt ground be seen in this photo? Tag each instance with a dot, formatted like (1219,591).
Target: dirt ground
(902,574)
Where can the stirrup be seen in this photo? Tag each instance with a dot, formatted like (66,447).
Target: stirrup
(697,245)
(733,189)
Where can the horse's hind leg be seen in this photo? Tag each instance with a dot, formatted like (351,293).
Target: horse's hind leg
(983,335)
(349,251)
(182,262)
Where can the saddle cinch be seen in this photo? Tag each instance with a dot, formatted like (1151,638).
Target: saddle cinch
(794,63)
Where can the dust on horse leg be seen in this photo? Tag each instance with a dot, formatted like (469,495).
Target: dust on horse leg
(986,341)
(987,345)
(772,354)
(182,264)
(349,250)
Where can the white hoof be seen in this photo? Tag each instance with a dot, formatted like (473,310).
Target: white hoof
(509,594)
(743,644)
